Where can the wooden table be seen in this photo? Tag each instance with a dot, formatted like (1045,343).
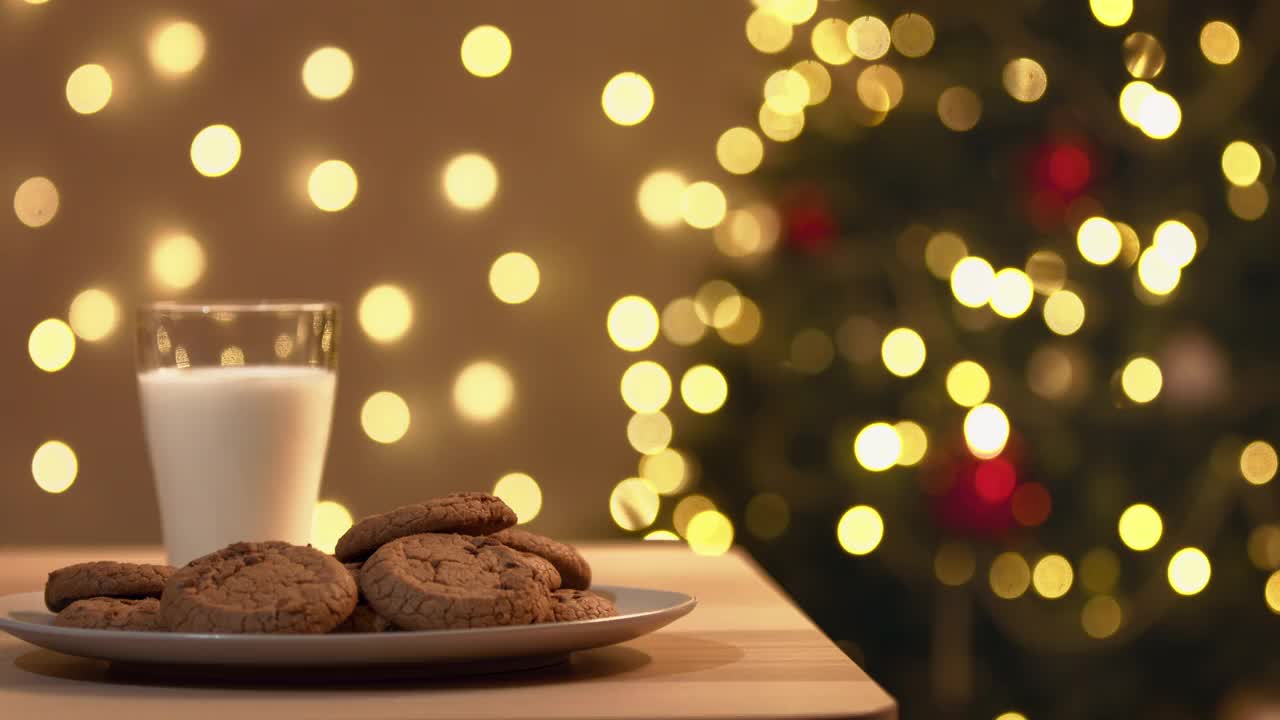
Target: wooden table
(745,652)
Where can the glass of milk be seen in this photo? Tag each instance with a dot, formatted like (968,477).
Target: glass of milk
(237,399)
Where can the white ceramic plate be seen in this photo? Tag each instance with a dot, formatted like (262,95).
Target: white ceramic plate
(640,611)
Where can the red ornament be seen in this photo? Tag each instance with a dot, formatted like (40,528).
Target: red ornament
(807,220)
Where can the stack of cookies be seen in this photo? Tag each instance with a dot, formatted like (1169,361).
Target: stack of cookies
(451,562)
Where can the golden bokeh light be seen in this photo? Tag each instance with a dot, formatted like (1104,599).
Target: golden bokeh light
(680,322)
(986,430)
(1064,312)
(879,87)
(686,509)
(215,150)
(954,564)
(668,471)
(1159,115)
(912,35)
(915,442)
(811,351)
(485,51)
(860,530)
(1189,571)
(941,253)
(521,493)
(1157,273)
(767,516)
(710,533)
(231,355)
(903,352)
(1248,203)
(959,108)
(968,383)
(703,389)
(327,73)
(1141,379)
(177,261)
(483,391)
(794,12)
(329,521)
(93,315)
(746,326)
(470,181)
(1130,246)
(703,205)
(868,37)
(649,433)
(632,323)
(385,313)
(1011,293)
(646,387)
(748,231)
(1140,527)
(633,504)
(1047,270)
(1112,13)
(1271,592)
(787,92)
(740,150)
(1100,570)
(1144,57)
(1219,42)
(660,198)
(779,127)
(176,48)
(830,41)
(1009,576)
(1050,372)
(54,466)
(51,345)
(384,417)
(816,75)
(1011,715)
(514,278)
(767,32)
(662,536)
(877,447)
(88,89)
(1052,576)
(1098,240)
(1241,163)
(717,303)
(1258,462)
(1175,241)
(1024,79)
(1131,97)
(1264,547)
(627,98)
(332,185)
(972,281)
(35,202)
(1101,617)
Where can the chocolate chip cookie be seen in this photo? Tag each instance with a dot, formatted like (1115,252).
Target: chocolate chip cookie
(574,571)
(104,579)
(266,587)
(435,581)
(469,513)
(104,613)
(567,605)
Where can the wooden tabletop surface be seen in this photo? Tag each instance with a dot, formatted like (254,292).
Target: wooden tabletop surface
(745,652)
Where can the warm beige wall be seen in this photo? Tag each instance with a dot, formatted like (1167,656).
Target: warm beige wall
(567,197)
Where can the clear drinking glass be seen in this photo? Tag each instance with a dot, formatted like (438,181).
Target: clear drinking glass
(237,399)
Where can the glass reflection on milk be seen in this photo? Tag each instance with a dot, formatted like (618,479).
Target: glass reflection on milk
(237,401)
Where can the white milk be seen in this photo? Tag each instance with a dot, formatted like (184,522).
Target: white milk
(237,452)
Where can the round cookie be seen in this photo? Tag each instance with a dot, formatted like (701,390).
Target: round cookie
(104,613)
(435,581)
(266,587)
(574,571)
(568,605)
(468,513)
(365,619)
(104,579)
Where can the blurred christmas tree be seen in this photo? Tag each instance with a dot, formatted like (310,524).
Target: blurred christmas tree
(1002,395)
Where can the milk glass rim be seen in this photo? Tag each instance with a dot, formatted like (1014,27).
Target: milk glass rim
(202,307)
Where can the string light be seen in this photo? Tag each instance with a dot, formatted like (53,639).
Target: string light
(633,504)
(627,98)
(986,430)
(1219,42)
(385,313)
(1064,312)
(632,323)
(1052,576)
(703,205)
(1241,163)
(51,345)
(332,185)
(88,89)
(1140,527)
(176,48)
(470,181)
(1011,293)
(1098,240)
(659,198)
(327,73)
(1024,79)
(1112,13)
(177,261)
(968,383)
(1141,379)
(877,447)
(514,278)
(973,281)
(1189,571)
(521,493)
(215,150)
(483,391)
(54,466)
(384,417)
(329,521)
(1009,576)
(1258,462)
(739,150)
(35,202)
(93,315)
(703,389)
(709,533)
(767,32)
(485,51)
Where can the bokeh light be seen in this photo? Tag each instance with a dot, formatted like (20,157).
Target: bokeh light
(787,92)
(986,430)
(1158,274)
(819,80)
(912,35)
(830,41)
(327,73)
(54,466)
(1248,203)
(176,48)
(329,521)
(1175,242)
(1141,379)
(470,181)
(633,504)
(35,202)
(1047,270)
(767,516)
(1031,504)
(1131,97)
(915,442)
(1241,163)
(483,391)
(332,185)
(521,493)
(994,480)
(739,150)
(746,326)
(668,471)
(1052,576)
(627,98)
(1101,617)
(879,87)
(51,345)
(973,281)
(709,533)
(903,352)
(1064,312)
(1219,42)
(680,322)
(954,564)
(646,387)
(877,446)
(1144,57)
(485,51)
(662,536)
(1258,462)
(215,150)
(703,389)
(88,89)
(93,315)
(1112,13)
(1271,592)
(1024,79)
(703,205)
(1011,715)
(1140,527)
(767,32)
(717,303)
(941,253)
(959,108)
(1010,576)
(385,417)
(649,433)
(1159,115)
(968,383)
(385,313)
(177,261)
(632,323)
(1100,570)
(860,530)
(868,37)
(794,12)
(514,278)
(1189,571)
(686,509)
(1011,293)
(779,127)
(1264,547)
(660,198)
(1098,240)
